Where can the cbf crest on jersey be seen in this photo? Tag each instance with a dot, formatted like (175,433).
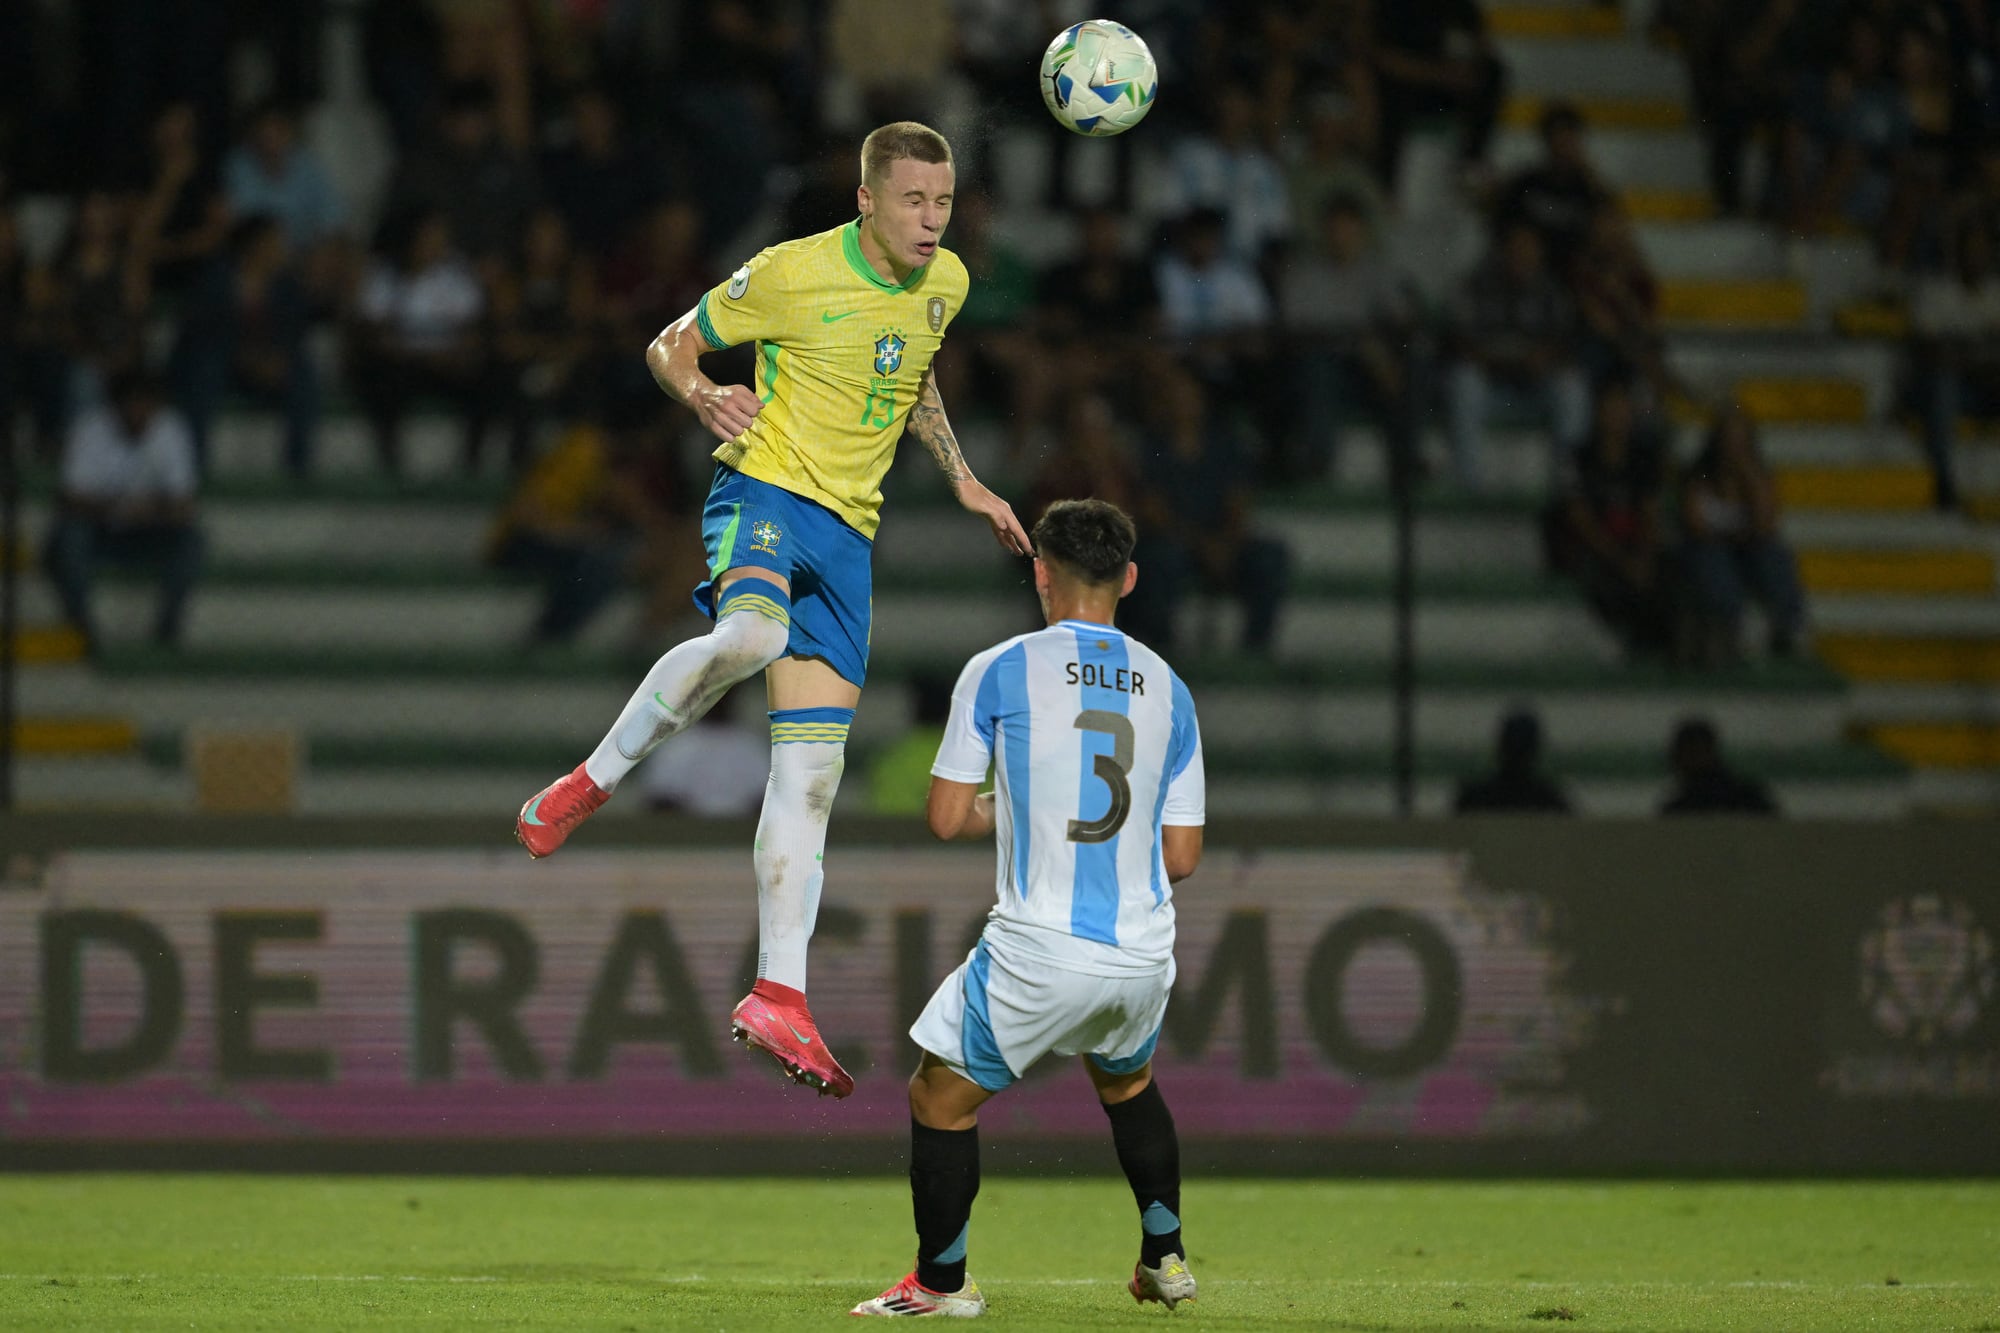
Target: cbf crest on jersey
(765,536)
(889,352)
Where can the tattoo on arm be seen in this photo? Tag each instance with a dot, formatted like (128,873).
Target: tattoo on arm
(927,422)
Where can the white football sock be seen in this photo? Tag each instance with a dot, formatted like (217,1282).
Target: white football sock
(752,629)
(808,752)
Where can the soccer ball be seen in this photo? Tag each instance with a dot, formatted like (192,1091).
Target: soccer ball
(1098,78)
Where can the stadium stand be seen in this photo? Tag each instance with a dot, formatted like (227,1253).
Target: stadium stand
(356,612)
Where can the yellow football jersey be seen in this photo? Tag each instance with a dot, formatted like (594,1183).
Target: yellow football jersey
(840,352)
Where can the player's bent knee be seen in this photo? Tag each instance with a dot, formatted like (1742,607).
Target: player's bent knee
(749,643)
(753,626)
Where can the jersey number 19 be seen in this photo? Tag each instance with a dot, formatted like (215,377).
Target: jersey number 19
(880,409)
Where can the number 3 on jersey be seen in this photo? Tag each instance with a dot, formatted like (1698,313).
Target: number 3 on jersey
(880,409)
(1112,769)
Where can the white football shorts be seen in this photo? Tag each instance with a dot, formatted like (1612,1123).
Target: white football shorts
(1005,1008)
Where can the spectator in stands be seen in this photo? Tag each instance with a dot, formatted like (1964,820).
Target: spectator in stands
(181,219)
(667,467)
(1743,57)
(1215,305)
(599,181)
(1316,54)
(1619,302)
(1607,530)
(572,523)
(126,497)
(824,197)
(1560,196)
(37,363)
(1517,784)
(1433,57)
(1941,135)
(993,337)
(1977,202)
(14,280)
(1349,319)
(243,328)
(93,307)
(1103,304)
(1955,323)
(497,48)
(1195,522)
(1334,165)
(419,330)
(1733,548)
(1703,783)
(891,54)
(470,174)
(716,769)
(1973,41)
(272,173)
(541,312)
(1844,148)
(127,58)
(1095,461)
(1229,170)
(658,274)
(400,57)
(750,84)
(1513,328)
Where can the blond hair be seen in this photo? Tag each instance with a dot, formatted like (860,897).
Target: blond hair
(896,141)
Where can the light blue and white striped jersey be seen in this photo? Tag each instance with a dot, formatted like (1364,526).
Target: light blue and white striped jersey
(1095,747)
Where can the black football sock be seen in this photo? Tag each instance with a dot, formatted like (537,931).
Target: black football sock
(1150,1152)
(944,1180)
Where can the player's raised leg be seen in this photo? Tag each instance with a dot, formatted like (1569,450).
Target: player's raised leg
(811,709)
(1142,1130)
(752,625)
(944,1180)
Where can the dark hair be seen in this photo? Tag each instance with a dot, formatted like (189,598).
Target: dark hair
(464,95)
(1344,204)
(272,108)
(1091,539)
(134,382)
(1618,379)
(1695,740)
(1206,218)
(248,231)
(1519,742)
(1560,116)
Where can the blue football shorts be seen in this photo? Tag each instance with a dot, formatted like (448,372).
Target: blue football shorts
(749,523)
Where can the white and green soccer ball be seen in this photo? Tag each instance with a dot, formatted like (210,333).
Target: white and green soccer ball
(1098,78)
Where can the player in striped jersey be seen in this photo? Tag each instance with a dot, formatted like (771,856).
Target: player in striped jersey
(845,325)
(1097,811)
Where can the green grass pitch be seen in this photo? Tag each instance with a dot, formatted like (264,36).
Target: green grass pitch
(218,1251)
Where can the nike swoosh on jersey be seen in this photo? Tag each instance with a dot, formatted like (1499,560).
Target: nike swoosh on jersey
(828,317)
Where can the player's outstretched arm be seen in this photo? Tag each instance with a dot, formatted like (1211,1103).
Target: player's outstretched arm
(956,811)
(933,431)
(675,360)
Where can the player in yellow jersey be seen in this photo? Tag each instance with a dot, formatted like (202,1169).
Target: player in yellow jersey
(846,324)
